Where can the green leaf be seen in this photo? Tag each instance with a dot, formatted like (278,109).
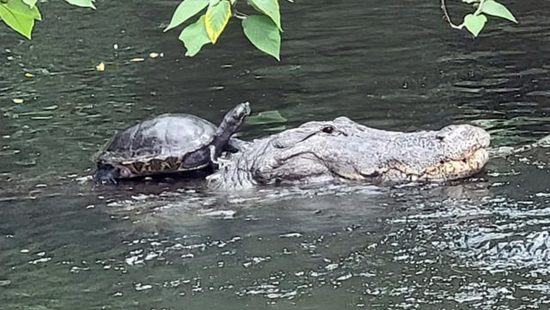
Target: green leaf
(494,8)
(216,19)
(30,3)
(19,16)
(20,8)
(194,37)
(266,117)
(263,33)
(82,3)
(269,8)
(21,24)
(185,10)
(475,23)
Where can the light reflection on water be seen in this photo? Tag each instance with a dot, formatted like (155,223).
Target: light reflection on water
(481,243)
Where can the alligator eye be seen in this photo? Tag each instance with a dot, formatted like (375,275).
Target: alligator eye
(328,129)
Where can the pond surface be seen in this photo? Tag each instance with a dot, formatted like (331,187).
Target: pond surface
(481,243)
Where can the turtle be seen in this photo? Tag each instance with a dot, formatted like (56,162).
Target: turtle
(168,143)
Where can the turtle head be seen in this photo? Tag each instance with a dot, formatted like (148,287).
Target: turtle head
(231,122)
(234,119)
(236,116)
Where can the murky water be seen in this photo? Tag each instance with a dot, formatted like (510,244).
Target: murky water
(481,243)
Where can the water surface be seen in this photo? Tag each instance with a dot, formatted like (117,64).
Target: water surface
(480,243)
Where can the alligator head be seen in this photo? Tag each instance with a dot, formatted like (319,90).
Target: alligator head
(342,150)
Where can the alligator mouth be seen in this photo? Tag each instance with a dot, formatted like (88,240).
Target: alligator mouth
(446,170)
(471,163)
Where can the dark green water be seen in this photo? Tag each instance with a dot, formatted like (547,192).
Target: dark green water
(478,244)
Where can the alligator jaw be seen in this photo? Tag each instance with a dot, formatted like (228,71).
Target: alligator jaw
(469,165)
(447,170)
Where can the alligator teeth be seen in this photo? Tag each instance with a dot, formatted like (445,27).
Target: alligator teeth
(452,169)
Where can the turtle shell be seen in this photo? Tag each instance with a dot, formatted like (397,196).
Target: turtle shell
(164,144)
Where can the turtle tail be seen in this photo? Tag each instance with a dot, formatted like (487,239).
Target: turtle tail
(106,174)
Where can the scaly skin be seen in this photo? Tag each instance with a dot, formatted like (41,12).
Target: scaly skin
(343,150)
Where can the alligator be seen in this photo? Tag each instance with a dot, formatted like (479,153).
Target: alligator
(343,150)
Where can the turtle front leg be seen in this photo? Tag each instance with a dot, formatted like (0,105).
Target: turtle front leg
(213,158)
(217,162)
(110,174)
(106,174)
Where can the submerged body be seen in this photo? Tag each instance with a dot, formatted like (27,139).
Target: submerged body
(342,149)
(168,143)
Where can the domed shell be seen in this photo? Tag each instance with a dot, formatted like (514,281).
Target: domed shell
(167,135)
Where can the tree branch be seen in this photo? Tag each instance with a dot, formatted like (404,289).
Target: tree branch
(448,17)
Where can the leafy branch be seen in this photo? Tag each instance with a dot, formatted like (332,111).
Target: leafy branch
(475,22)
(263,29)
(20,15)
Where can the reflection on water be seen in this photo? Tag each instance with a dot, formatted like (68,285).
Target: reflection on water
(480,243)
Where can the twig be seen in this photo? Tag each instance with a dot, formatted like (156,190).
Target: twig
(238,14)
(448,17)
